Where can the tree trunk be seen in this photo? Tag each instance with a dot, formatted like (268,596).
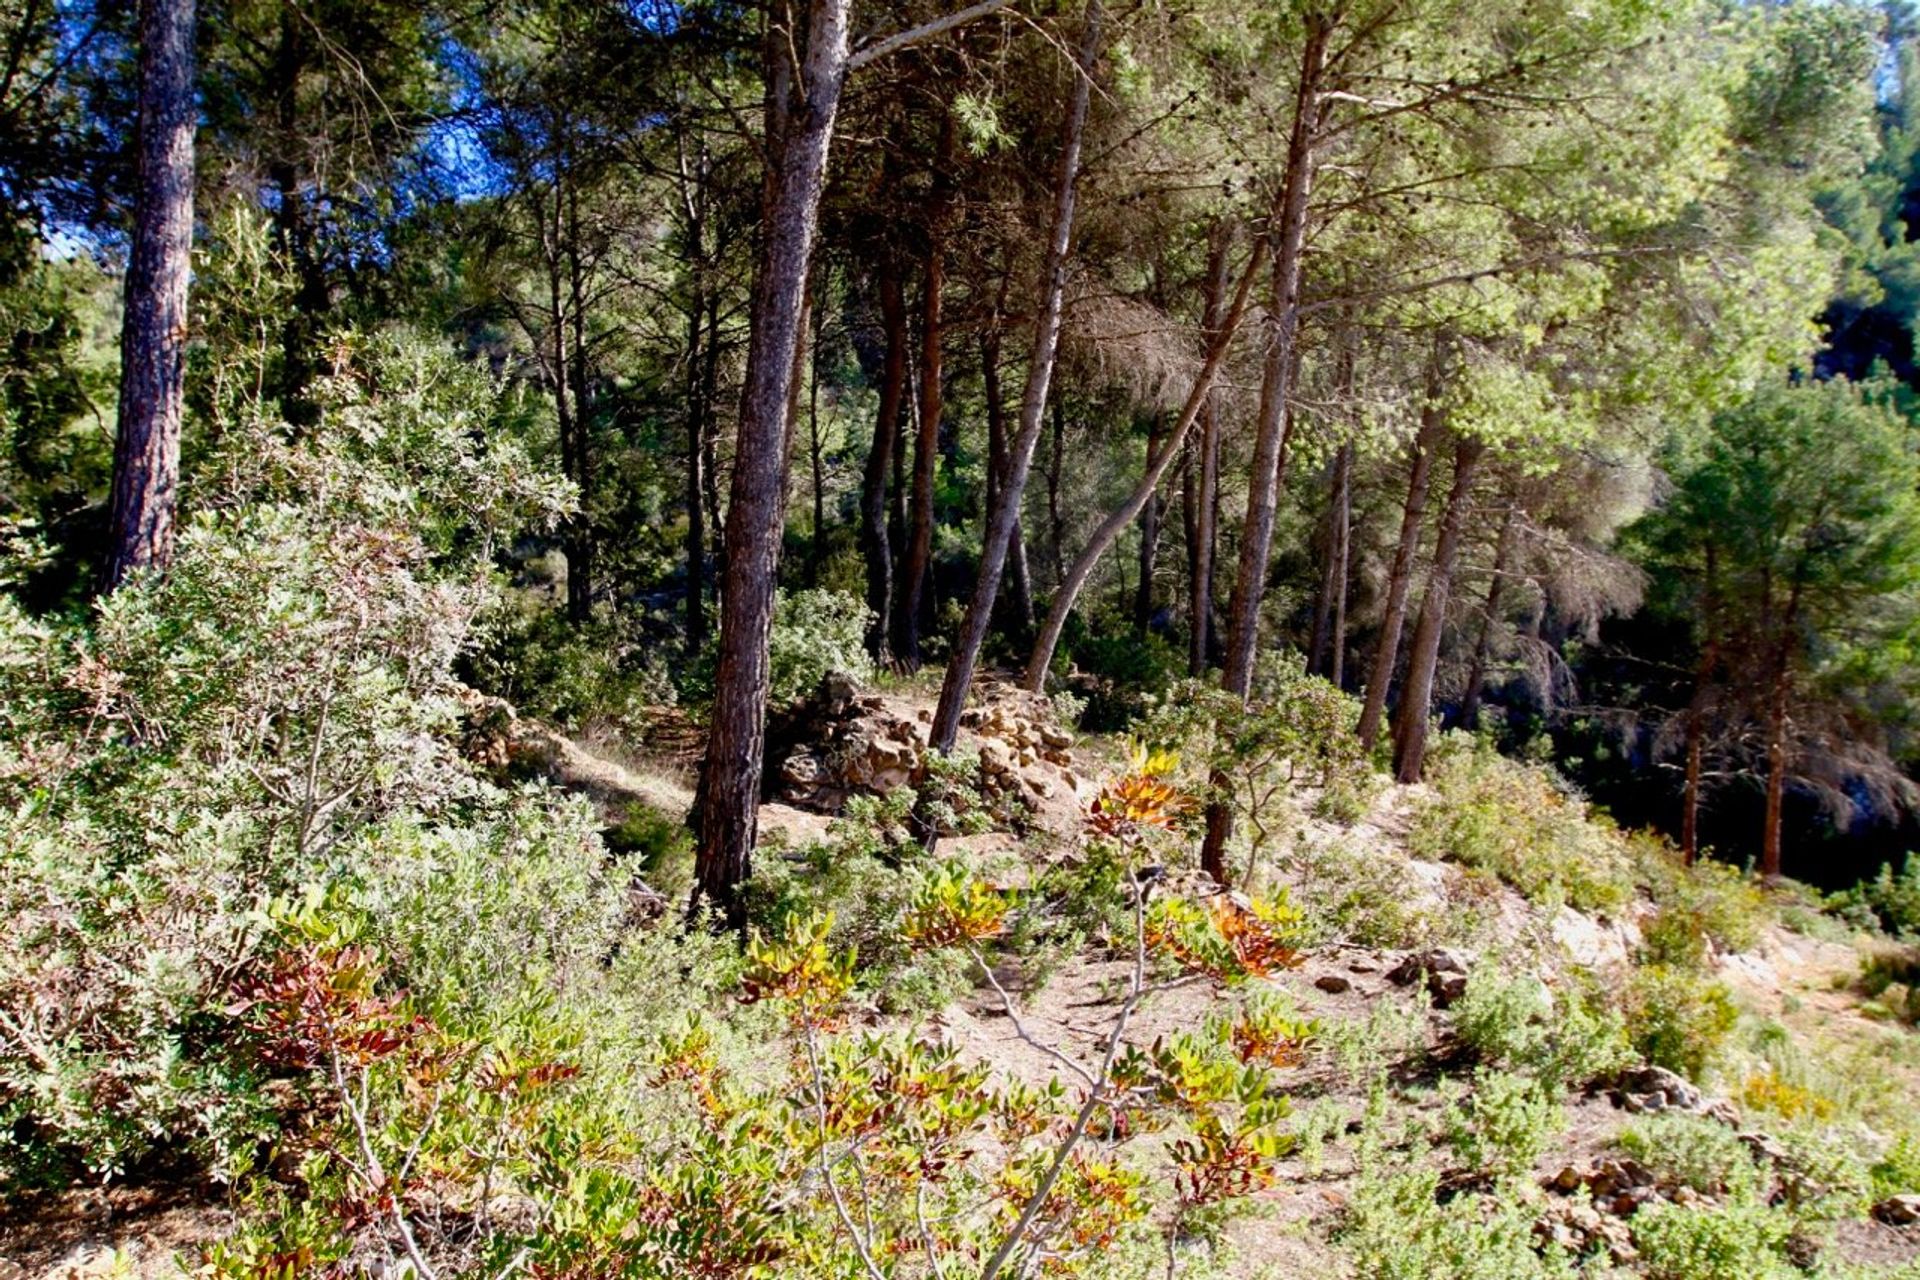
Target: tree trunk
(914,583)
(1416,700)
(1149,539)
(1275,422)
(1207,466)
(1776,778)
(153,335)
(1075,578)
(1483,645)
(1018,609)
(730,782)
(874,480)
(580,545)
(710,447)
(816,451)
(1400,577)
(697,411)
(1342,568)
(1056,521)
(1033,404)
(1697,708)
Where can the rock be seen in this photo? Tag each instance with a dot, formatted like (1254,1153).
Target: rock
(1764,1147)
(1898,1211)
(1058,739)
(1362,964)
(1333,984)
(1591,943)
(1445,971)
(1651,1088)
(1567,1181)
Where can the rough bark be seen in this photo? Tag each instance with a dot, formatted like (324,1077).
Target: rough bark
(730,781)
(153,335)
(874,538)
(580,541)
(1206,469)
(1074,580)
(1033,404)
(914,598)
(1342,569)
(1386,652)
(1490,617)
(1149,539)
(1697,709)
(1423,659)
(1017,610)
(1275,422)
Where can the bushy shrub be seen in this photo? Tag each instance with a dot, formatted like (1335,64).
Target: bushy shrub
(816,633)
(1890,901)
(1738,1239)
(1708,903)
(1397,1227)
(1678,1019)
(1690,1151)
(1897,1171)
(1562,1039)
(1505,1124)
(1363,896)
(1519,822)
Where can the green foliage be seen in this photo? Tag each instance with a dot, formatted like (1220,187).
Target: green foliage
(1691,1151)
(1562,1039)
(1507,1122)
(1678,1019)
(1890,900)
(1708,902)
(1897,1171)
(1356,895)
(1398,1228)
(1518,822)
(1740,1238)
(815,634)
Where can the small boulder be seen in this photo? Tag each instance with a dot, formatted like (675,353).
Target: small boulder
(1333,984)
(1898,1211)
(1444,969)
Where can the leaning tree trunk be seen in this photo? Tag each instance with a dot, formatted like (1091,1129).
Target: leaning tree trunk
(1149,541)
(1400,576)
(153,334)
(874,539)
(1416,700)
(1483,645)
(1017,613)
(1109,529)
(1275,422)
(730,782)
(1033,403)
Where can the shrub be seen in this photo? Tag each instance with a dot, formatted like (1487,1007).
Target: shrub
(816,633)
(1562,1040)
(1739,1239)
(1690,1151)
(1891,900)
(1708,903)
(1897,1171)
(1398,1228)
(1519,822)
(1361,896)
(1678,1019)
(1506,1124)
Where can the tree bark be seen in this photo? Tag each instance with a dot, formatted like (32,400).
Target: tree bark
(874,480)
(1342,569)
(1018,610)
(1483,644)
(153,335)
(580,544)
(1275,421)
(914,598)
(1697,709)
(1149,539)
(1416,700)
(1033,404)
(1108,531)
(1207,466)
(730,782)
(1400,576)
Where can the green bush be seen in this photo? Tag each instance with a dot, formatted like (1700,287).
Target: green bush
(1897,1171)
(1690,1151)
(1398,1228)
(1739,1239)
(1891,900)
(1506,1124)
(1678,1019)
(815,633)
(1563,1040)
(1519,822)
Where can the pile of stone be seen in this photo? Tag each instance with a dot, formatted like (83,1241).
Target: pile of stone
(844,743)
(1443,970)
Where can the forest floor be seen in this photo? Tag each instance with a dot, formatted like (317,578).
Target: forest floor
(1797,982)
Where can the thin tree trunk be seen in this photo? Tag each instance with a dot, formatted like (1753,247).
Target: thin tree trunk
(1275,422)
(880,461)
(1017,613)
(1770,837)
(1386,653)
(1205,467)
(1074,580)
(153,335)
(710,446)
(926,457)
(697,411)
(1056,521)
(580,545)
(1033,404)
(1696,709)
(1483,644)
(816,454)
(1149,539)
(1416,700)
(730,782)
(1342,568)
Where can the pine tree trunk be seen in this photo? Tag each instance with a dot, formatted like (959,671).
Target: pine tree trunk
(1033,403)
(1342,568)
(153,335)
(1149,539)
(1386,653)
(914,585)
(1275,422)
(1770,836)
(874,480)
(1690,796)
(580,544)
(729,798)
(1483,644)
(1697,709)
(1207,468)
(1109,530)
(1017,608)
(1423,660)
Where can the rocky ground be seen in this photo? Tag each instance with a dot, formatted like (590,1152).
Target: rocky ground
(1036,779)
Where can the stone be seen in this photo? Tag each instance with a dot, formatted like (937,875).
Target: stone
(1764,1147)
(1333,984)
(1651,1088)
(1567,1181)
(1444,969)
(1058,739)
(1898,1211)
